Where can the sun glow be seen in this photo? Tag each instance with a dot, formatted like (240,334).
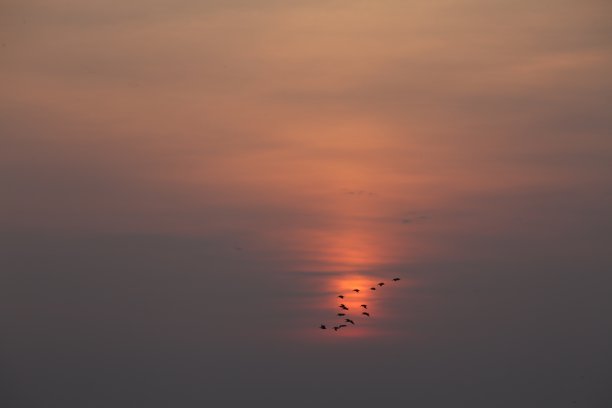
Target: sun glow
(343,251)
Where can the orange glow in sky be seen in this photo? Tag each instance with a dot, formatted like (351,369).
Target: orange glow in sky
(317,134)
(187,186)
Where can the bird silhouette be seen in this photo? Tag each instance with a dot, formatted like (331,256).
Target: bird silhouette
(344,307)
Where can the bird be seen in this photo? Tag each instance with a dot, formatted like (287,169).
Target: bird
(366,313)
(372,288)
(364,306)
(396,279)
(349,321)
(323,327)
(343,307)
(341,326)
(341,314)
(341,296)
(356,290)
(381,283)
(336,328)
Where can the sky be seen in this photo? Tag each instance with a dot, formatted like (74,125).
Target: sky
(186,186)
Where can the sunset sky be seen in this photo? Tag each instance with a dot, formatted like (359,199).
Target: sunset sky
(186,186)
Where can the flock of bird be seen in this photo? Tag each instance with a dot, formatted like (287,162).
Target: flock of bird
(364,308)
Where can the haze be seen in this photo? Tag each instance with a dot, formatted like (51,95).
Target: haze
(186,186)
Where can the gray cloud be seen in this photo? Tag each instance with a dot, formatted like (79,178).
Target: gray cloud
(140,144)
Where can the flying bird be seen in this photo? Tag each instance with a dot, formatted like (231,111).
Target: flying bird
(344,307)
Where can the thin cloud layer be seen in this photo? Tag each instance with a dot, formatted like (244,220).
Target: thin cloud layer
(186,184)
